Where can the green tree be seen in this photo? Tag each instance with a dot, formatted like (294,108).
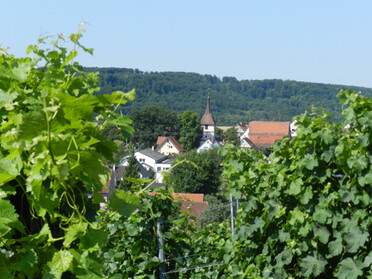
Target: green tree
(234,101)
(196,172)
(219,134)
(231,136)
(112,132)
(190,130)
(130,171)
(151,122)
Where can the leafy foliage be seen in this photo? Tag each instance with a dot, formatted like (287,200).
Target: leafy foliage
(307,209)
(196,172)
(151,122)
(52,154)
(218,211)
(132,247)
(231,136)
(190,130)
(131,171)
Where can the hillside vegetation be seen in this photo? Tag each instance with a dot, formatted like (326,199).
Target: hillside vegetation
(232,100)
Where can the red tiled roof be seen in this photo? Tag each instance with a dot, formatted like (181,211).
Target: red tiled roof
(184,196)
(189,197)
(193,204)
(176,143)
(162,140)
(194,208)
(265,134)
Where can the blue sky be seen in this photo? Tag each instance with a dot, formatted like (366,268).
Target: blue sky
(328,41)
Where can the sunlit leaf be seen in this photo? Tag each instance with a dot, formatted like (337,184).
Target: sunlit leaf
(123,202)
(312,266)
(348,269)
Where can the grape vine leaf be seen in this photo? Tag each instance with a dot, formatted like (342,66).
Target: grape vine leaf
(313,265)
(355,239)
(348,269)
(123,202)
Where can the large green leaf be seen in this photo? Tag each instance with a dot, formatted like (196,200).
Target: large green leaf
(312,266)
(321,215)
(11,165)
(124,202)
(284,258)
(60,263)
(28,259)
(295,187)
(321,232)
(335,248)
(93,239)
(348,269)
(7,216)
(33,125)
(355,238)
(74,231)
(20,69)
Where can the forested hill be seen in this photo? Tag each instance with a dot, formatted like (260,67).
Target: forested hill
(232,101)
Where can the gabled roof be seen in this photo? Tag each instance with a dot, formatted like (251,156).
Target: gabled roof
(194,204)
(168,161)
(250,143)
(207,118)
(241,126)
(162,140)
(265,133)
(194,208)
(158,157)
(208,144)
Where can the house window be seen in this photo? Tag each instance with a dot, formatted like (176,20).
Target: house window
(206,127)
(170,146)
(142,160)
(158,169)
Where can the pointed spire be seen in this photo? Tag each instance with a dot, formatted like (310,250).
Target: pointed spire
(207,118)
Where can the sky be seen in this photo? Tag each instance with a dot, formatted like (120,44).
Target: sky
(326,41)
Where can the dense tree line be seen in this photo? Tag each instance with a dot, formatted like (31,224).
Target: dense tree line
(233,101)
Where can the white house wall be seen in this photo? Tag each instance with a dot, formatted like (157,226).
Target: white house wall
(145,161)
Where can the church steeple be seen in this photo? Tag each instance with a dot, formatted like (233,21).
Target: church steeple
(207,118)
(207,123)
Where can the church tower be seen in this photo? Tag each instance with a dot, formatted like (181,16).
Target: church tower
(207,123)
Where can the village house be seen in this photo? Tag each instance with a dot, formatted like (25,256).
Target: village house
(240,129)
(155,161)
(208,144)
(168,146)
(263,134)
